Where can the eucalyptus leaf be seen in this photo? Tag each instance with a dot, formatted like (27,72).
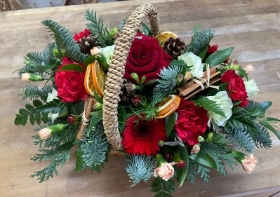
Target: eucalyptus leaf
(219,56)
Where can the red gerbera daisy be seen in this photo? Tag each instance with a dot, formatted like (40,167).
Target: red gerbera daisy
(141,136)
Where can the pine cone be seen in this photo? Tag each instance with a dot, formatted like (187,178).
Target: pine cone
(87,43)
(174,47)
(126,94)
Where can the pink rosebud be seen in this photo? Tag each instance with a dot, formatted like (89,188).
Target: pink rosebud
(195,149)
(181,164)
(249,163)
(95,51)
(165,171)
(45,133)
(249,69)
(25,77)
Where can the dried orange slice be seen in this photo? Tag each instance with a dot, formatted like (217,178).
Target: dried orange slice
(164,36)
(168,106)
(88,81)
(98,78)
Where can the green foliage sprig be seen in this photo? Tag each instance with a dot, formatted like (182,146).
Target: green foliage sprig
(140,167)
(162,187)
(34,92)
(64,40)
(97,27)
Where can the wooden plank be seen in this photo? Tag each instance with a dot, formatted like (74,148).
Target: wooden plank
(252,26)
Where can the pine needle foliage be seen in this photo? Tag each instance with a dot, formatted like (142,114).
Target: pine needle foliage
(241,138)
(140,167)
(55,149)
(58,160)
(162,187)
(200,39)
(64,40)
(93,149)
(34,92)
(196,169)
(33,59)
(97,28)
(166,83)
(219,154)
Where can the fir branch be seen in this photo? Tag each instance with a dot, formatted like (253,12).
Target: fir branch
(97,28)
(209,105)
(93,149)
(162,187)
(140,167)
(166,84)
(33,92)
(199,40)
(192,171)
(261,137)
(204,173)
(58,160)
(63,36)
(240,137)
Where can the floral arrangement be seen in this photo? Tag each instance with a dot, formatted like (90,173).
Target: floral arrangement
(183,109)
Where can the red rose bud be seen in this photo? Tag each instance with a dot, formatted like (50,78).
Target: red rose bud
(26,77)
(181,164)
(137,100)
(168,157)
(71,119)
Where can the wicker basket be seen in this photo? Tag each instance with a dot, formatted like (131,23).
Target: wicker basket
(116,70)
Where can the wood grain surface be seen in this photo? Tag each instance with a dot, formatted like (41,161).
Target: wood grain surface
(252,26)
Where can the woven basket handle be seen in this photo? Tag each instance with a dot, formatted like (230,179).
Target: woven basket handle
(114,80)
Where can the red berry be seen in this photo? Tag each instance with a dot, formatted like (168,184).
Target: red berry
(71,119)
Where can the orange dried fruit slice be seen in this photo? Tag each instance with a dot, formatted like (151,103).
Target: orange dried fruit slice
(168,106)
(164,36)
(88,81)
(98,78)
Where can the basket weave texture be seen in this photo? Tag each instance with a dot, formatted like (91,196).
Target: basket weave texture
(116,70)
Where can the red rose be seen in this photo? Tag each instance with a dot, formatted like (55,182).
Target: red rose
(236,88)
(146,57)
(192,122)
(70,84)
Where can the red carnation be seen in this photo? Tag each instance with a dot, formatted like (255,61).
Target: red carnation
(81,35)
(141,136)
(192,122)
(236,88)
(70,84)
(146,58)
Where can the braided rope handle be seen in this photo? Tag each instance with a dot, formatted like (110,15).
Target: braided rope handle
(116,70)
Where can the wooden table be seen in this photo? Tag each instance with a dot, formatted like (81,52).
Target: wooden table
(252,26)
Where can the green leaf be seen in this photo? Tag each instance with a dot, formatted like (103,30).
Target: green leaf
(23,112)
(48,67)
(89,60)
(242,73)
(209,105)
(96,168)
(270,119)
(97,97)
(178,62)
(162,194)
(80,164)
(45,117)
(146,29)
(64,147)
(219,139)
(37,103)
(219,56)
(170,123)
(20,120)
(258,109)
(182,173)
(73,67)
(265,124)
(29,107)
(203,51)
(96,116)
(32,119)
(203,159)
(38,118)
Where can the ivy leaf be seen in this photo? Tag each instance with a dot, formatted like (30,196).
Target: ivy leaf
(219,56)
(209,105)
(72,67)
(170,123)
(203,159)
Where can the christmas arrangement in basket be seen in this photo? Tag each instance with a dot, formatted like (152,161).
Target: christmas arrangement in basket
(173,110)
